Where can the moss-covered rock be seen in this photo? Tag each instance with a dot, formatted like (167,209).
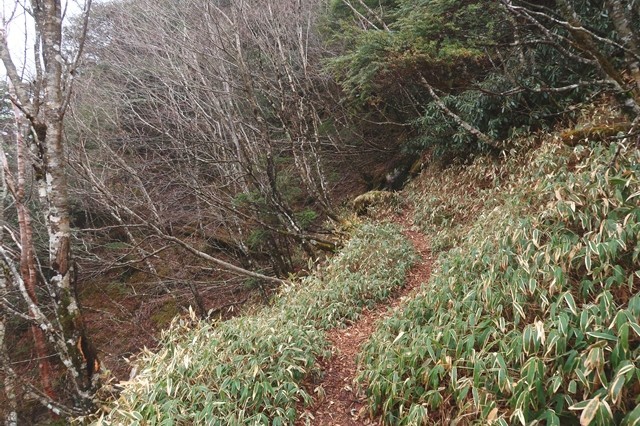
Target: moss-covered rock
(363,202)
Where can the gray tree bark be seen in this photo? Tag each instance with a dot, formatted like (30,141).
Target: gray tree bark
(45,109)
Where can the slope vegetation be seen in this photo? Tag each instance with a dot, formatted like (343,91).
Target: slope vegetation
(533,315)
(250,370)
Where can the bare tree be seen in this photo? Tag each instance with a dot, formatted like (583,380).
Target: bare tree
(204,120)
(41,105)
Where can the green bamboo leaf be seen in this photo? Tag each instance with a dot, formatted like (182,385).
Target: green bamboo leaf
(526,339)
(635,327)
(633,418)
(605,415)
(502,379)
(571,303)
(623,336)
(463,392)
(582,378)
(625,367)
(556,382)
(519,309)
(563,323)
(476,397)
(590,411)
(587,262)
(551,418)
(585,319)
(580,405)
(615,388)
(531,371)
(519,414)
(600,335)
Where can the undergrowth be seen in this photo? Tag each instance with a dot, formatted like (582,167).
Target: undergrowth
(533,316)
(250,370)
(449,201)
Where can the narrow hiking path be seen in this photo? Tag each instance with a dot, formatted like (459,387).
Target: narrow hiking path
(341,405)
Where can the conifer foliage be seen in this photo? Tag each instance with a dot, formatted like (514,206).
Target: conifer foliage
(210,148)
(470,73)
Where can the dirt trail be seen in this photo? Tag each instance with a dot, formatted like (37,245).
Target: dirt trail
(341,405)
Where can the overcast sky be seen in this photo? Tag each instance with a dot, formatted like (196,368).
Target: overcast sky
(19,27)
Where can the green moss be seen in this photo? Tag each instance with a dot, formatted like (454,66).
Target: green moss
(363,202)
(163,316)
(597,133)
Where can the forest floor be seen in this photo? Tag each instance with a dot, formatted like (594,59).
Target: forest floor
(342,404)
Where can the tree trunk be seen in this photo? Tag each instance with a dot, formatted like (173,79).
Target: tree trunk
(201,310)
(620,19)
(28,259)
(586,43)
(81,352)
(11,410)
(43,104)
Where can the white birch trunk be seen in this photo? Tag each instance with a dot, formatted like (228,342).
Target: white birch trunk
(44,108)
(56,200)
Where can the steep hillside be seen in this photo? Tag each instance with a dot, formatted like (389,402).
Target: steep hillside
(199,159)
(252,369)
(532,314)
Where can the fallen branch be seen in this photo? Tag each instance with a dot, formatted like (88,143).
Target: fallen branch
(461,122)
